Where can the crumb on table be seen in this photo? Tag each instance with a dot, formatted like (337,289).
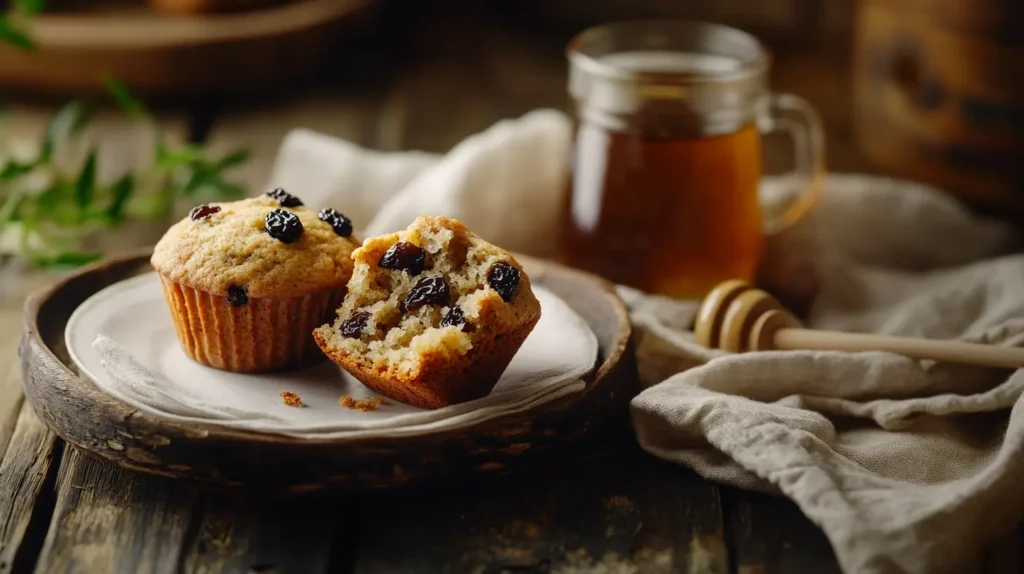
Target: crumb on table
(291,399)
(370,404)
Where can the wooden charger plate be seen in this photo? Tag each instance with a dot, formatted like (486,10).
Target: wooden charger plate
(200,54)
(81,414)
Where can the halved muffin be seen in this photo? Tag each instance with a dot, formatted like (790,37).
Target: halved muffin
(433,315)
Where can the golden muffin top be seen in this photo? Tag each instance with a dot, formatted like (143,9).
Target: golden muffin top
(270,245)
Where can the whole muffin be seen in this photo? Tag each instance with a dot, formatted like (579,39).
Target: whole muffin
(433,315)
(247,281)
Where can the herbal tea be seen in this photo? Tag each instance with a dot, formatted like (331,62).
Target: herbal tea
(667,161)
(671,213)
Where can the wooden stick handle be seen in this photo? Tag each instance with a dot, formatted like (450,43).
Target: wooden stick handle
(948,351)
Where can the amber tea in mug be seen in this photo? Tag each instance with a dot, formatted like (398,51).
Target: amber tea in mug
(667,160)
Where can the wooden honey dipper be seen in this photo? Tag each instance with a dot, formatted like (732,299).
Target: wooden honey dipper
(736,317)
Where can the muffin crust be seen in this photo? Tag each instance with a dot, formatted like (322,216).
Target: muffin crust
(231,248)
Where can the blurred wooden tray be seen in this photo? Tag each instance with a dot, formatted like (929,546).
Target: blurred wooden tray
(103,426)
(187,55)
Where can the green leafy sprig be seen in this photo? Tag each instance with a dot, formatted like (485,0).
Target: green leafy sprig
(49,211)
(13,24)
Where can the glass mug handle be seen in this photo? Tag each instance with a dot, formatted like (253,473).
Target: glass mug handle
(794,115)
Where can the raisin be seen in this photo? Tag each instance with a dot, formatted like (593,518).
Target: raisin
(455,317)
(503,278)
(427,291)
(354,325)
(283,225)
(404,255)
(341,224)
(203,211)
(284,198)
(237,296)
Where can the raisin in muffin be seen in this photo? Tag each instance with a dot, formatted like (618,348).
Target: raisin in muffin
(433,316)
(247,281)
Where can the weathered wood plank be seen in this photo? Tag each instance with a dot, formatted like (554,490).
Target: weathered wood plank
(26,476)
(1005,555)
(615,508)
(110,520)
(16,283)
(25,494)
(769,534)
(239,535)
(11,397)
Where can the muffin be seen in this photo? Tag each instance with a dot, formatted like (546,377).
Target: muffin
(433,315)
(248,281)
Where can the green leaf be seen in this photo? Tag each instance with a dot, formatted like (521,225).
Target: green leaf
(14,169)
(124,98)
(5,118)
(122,191)
(237,158)
(229,190)
(29,6)
(66,259)
(169,159)
(9,211)
(200,179)
(149,205)
(10,34)
(85,185)
(64,123)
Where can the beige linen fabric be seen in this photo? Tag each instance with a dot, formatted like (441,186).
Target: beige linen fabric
(907,466)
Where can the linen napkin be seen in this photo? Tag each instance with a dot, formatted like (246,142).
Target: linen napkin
(907,466)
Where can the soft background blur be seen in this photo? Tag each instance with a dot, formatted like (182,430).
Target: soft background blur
(926,90)
(397,74)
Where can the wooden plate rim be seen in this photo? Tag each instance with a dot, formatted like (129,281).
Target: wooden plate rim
(102,30)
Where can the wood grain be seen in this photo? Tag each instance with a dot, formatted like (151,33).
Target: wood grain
(110,520)
(11,397)
(613,508)
(29,466)
(769,535)
(25,474)
(240,535)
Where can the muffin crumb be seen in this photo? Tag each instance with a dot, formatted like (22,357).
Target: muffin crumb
(291,399)
(364,405)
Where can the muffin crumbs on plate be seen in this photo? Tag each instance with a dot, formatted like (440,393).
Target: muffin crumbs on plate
(370,404)
(291,399)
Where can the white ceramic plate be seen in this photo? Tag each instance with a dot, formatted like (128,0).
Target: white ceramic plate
(560,350)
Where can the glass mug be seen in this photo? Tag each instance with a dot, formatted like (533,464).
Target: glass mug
(667,158)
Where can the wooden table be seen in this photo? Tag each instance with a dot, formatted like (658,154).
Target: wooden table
(606,507)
